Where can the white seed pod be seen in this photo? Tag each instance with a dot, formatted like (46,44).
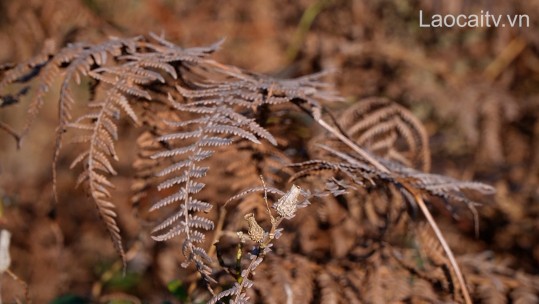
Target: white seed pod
(287,205)
(5,259)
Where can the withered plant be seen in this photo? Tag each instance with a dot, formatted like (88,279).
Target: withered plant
(208,131)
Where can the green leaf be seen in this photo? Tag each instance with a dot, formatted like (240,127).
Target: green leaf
(70,299)
(176,288)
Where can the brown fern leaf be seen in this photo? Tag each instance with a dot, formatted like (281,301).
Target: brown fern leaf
(330,291)
(87,57)
(412,185)
(220,108)
(145,167)
(24,72)
(192,108)
(450,190)
(191,143)
(492,281)
(527,291)
(275,287)
(153,116)
(303,273)
(388,130)
(254,90)
(263,160)
(442,274)
(95,161)
(70,63)
(136,64)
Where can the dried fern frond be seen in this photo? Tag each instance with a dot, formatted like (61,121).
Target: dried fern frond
(230,85)
(95,161)
(412,185)
(191,142)
(452,191)
(191,108)
(492,281)
(124,69)
(387,130)
(220,105)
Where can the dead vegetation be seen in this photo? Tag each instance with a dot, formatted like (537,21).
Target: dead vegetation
(172,144)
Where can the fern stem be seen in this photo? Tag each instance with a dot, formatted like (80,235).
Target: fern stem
(352,145)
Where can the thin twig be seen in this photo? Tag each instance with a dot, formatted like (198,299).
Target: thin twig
(445,246)
(502,61)
(307,19)
(11,132)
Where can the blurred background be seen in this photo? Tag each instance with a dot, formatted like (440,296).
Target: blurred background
(476,90)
